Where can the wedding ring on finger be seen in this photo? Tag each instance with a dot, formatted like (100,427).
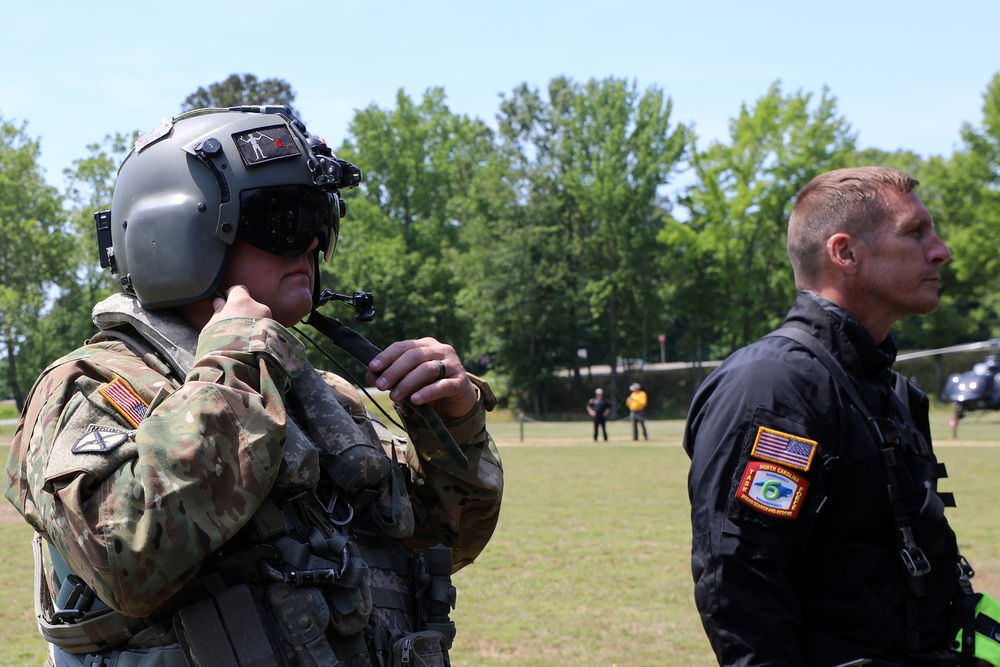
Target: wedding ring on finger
(441,368)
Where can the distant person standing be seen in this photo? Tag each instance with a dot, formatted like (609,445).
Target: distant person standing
(636,403)
(599,409)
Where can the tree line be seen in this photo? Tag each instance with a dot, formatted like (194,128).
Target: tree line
(577,230)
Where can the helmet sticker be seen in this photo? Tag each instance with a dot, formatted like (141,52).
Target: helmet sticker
(265,144)
(158,132)
(772,490)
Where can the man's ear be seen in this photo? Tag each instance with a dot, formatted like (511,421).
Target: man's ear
(841,251)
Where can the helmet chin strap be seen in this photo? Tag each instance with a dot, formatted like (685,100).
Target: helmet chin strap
(317,295)
(364,351)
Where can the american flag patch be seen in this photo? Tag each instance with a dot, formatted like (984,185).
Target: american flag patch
(125,401)
(783,448)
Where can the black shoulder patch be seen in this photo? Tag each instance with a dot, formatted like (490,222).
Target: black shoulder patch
(265,144)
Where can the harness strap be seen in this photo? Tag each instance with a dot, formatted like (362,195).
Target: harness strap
(172,656)
(233,614)
(914,560)
(199,629)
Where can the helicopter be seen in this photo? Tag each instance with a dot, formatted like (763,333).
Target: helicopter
(977,389)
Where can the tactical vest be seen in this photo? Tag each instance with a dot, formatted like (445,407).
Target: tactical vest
(318,577)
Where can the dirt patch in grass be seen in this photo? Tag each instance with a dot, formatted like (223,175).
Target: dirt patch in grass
(8,514)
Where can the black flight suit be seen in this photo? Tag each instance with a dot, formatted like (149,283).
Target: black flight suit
(810,572)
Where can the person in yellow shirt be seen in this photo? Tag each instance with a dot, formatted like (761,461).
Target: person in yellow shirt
(636,403)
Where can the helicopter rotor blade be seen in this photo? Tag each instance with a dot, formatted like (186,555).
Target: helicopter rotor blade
(966,347)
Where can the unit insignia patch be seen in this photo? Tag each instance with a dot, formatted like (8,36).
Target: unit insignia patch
(772,490)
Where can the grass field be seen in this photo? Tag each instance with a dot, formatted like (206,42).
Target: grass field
(589,564)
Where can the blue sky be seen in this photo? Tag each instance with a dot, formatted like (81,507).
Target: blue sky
(905,74)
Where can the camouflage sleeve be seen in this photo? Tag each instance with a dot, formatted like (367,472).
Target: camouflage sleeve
(453,506)
(135,498)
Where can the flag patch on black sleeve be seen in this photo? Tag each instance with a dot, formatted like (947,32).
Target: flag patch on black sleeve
(783,448)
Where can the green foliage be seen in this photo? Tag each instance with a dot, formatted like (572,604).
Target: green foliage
(729,267)
(82,282)
(572,220)
(239,89)
(402,239)
(555,233)
(968,211)
(33,255)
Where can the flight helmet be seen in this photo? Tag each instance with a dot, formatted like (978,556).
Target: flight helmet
(198,182)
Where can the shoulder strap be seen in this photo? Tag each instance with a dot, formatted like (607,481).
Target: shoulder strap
(916,563)
(831,363)
(158,359)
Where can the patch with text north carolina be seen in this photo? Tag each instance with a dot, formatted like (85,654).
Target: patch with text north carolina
(783,448)
(772,490)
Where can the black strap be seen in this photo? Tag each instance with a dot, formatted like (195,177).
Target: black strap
(201,633)
(916,563)
(364,351)
(227,631)
(913,557)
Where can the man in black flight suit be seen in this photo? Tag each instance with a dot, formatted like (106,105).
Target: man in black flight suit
(819,536)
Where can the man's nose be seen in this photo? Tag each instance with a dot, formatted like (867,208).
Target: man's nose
(939,253)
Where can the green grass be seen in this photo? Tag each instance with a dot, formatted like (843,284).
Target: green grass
(589,563)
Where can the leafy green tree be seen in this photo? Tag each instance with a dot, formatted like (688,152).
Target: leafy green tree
(90,185)
(34,245)
(518,287)
(967,210)
(587,165)
(238,89)
(404,227)
(730,269)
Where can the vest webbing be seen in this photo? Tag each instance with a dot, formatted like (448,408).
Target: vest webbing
(916,563)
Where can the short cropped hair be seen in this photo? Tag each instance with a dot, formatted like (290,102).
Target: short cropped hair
(851,201)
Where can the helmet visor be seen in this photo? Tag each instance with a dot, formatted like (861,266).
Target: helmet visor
(285,219)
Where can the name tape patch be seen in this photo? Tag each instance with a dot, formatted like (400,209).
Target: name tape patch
(783,448)
(124,399)
(772,490)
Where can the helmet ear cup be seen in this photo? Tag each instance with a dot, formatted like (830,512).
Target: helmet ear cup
(162,273)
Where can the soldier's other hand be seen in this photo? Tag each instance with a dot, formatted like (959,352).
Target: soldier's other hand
(428,372)
(238,303)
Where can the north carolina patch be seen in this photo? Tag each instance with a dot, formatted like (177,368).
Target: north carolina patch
(265,144)
(125,401)
(783,448)
(99,441)
(772,490)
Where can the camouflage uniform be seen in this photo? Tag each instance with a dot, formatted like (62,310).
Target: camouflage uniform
(221,477)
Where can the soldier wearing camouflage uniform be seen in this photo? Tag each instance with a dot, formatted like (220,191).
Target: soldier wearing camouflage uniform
(201,495)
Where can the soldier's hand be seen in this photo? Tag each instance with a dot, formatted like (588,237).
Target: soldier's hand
(428,372)
(238,303)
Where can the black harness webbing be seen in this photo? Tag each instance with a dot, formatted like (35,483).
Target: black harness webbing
(914,560)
